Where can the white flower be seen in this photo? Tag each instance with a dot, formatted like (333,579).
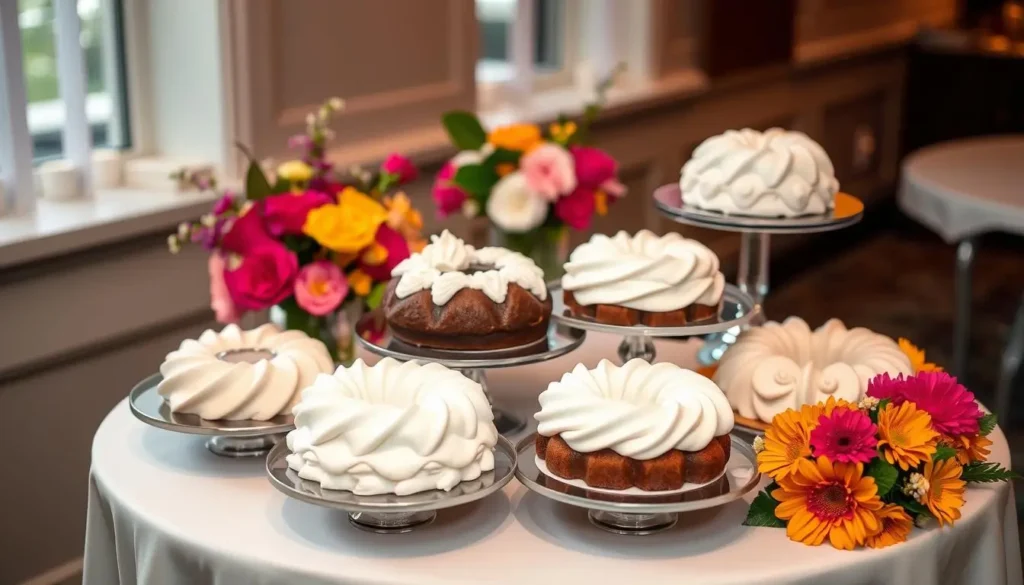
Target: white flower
(173,244)
(916,486)
(867,403)
(336,103)
(758,444)
(208,220)
(513,207)
(184,229)
(472,157)
(470,208)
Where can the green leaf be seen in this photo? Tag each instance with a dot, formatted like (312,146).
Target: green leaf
(873,413)
(478,180)
(376,296)
(282,185)
(986,424)
(256,185)
(502,156)
(762,512)
(913,506)
(943,452)
(885,475)
(464,129)
(986,472)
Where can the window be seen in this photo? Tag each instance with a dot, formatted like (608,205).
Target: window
(545,44)
(102,50)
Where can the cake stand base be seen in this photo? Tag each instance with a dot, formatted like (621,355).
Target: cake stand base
(634,524)
(243,447)
(635,346)
(393,523)
(506,422)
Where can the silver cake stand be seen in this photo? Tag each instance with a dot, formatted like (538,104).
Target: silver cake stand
(228,438)
(738,308)
(641,514)
(559,341)
(755,245)
(388,513)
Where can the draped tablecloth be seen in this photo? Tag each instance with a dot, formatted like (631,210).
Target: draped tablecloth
(163,510)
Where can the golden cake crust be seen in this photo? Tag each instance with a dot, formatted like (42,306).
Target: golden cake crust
(619,315)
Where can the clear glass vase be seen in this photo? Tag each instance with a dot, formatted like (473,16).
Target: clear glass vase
(336,330)
(548,246)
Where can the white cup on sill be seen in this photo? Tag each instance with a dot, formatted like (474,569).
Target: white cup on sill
(59,180)
(106,168)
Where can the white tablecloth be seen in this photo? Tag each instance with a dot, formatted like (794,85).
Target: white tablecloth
(163,510)
(966,187)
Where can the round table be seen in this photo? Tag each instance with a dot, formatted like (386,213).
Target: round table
(163,509)
(960,190)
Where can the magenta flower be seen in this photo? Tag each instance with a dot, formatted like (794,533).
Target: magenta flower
(247,232)
(594,167)
(549,170)
(263,277)
(320,287)
(223,306)
(447,195)
(398,250)
(224,204)
(285,214)
(399,165)
(577,208)
(952,407)
(847,436)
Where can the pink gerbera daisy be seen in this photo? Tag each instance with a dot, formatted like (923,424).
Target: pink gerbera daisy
(951,406)
(846,436)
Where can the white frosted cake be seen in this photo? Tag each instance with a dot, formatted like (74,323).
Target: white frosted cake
(643,279)
(241,375)
(393,428)
(654,427)
(776,173)
(779,366)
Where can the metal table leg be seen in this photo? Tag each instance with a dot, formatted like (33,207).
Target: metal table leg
(1013,353)
(962,322)
(751,278)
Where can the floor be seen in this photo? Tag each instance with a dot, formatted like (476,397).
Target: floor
(897,278)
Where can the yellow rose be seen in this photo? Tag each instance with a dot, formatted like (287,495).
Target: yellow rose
(520,137)
(349,226)
(295,171)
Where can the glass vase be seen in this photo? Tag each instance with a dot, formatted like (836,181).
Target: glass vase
(547,246)
(336,330)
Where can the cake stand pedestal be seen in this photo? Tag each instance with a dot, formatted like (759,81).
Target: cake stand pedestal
(559,341)
(738,308)
(390,513)
(640,513)
(228,438)
(755,246)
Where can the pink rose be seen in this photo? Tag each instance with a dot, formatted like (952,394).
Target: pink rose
(220,299)
(594,167)
(398,250)
(285,214)
(549,170)
(264,277)
(447,195)
(397,164)
(576,208)
(320,287)
(247,232)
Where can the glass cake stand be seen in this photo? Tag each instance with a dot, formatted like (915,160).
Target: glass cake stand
(738,308)
(640,514)
(388,513)
(228,438)
(755,245)
(559,341)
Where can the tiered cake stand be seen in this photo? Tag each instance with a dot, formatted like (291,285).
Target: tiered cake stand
(559,341)
(755,246)
(228,438)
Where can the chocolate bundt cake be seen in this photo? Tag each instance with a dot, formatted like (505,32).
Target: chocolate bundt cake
(654,427)
(645,279)
(453,296)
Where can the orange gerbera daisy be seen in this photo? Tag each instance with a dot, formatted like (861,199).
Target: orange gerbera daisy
(815,411)
(905,435)
(969,448)
(821,499)
(896,525)
(786,442)
(943,491)
(917,357)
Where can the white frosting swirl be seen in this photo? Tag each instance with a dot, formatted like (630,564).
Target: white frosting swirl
(644,272)
(785,365)
(638,410)
(771,174)
(398,428)
(441,267)
(197,381)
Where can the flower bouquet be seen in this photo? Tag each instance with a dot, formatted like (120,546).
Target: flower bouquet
(311,246)
(864,474)
(531,186)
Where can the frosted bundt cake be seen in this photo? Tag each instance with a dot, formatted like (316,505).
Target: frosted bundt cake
(779,366)
(654,427)
(453,296)
(241,375)
(394,428)
(659,281)
(777,173)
